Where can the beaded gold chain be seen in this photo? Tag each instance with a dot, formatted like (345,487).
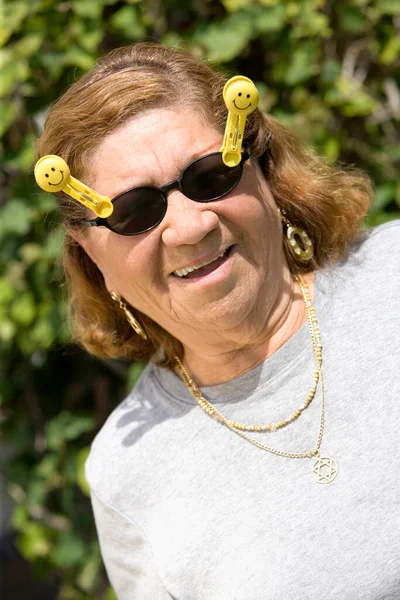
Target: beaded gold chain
(325,468)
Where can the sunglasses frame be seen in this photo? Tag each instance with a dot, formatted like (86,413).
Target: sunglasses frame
(172,185)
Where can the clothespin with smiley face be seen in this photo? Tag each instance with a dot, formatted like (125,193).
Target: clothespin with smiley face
(241,98)
(52,174)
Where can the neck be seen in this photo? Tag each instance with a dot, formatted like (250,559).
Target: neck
(212,363)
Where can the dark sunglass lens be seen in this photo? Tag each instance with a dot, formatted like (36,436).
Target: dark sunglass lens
(209,178)
(136,211)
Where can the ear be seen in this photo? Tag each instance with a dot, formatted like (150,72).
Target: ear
(85,241)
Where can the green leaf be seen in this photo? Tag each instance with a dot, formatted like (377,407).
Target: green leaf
(126,21)
(9,112)
(80,468)
(69,550)
(391,50)
(77,57)
(53,244)
(89,574)
(37,492)
(135,370)
(12,74)
(67,426)
(110,594)
(296,67)
(42,335)
(331,148)
(270,19)
(389,7)
(15,218)
(52,62)
(236,5)
(79,425)
(19,517)
(7,330)
(352,98)
(7,292)
(27,46)
(381,218)
(44,201)
(91,9)
(330,71)
(23,309)
(48,466)
(30,253)
(24,157)
(91,40)
(352,19)
(13,15)
(308,21)
(33,542)
(384,195)
(225,40)
(398,195)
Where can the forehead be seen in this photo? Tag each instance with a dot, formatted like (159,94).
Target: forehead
(151,150)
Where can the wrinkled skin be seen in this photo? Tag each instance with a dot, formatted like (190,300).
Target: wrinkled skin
(234,317)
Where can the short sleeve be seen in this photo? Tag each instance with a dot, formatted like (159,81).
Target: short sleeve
(127,555)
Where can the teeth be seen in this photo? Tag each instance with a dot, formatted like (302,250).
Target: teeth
(183,272)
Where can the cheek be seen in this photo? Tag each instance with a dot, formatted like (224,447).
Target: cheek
(138,267)
(251,205)
(124,261)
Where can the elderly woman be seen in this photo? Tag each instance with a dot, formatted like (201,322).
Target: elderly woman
(257,456)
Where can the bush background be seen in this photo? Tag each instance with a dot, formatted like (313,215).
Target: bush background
(329,70)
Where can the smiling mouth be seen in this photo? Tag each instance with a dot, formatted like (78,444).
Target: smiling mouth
(245,108)
(205,269)
(62,177)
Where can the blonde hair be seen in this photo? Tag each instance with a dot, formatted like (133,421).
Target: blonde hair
(328,202)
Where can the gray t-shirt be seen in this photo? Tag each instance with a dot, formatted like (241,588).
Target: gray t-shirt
(186,509)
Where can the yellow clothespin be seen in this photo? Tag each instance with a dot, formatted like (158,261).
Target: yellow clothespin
(52,174)
(241,98)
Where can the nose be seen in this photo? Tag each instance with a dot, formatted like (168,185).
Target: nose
(187,221)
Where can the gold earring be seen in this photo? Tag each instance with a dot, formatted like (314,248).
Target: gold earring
(134,323)
(303,251)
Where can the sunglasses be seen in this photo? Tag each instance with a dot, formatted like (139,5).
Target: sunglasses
(142,208)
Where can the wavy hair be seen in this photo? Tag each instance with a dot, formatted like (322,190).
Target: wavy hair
(329,202)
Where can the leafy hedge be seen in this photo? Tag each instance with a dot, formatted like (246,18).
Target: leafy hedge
(330,70)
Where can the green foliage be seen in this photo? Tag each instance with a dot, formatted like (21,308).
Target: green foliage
(329,70)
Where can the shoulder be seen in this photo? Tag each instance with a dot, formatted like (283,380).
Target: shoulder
(376,252)
(126,439)
(385,237)
(367,281)
(374,256)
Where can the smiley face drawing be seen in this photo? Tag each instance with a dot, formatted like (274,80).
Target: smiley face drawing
(52,173)
(241,98)
(240,95)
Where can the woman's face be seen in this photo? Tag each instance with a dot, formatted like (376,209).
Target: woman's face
(243,227)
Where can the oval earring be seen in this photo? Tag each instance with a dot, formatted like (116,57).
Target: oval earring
(133,322)
(303,251)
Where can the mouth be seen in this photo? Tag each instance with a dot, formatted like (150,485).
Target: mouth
(244,108)
(62,177)
(203,269)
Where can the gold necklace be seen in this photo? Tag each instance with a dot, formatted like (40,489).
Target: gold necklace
(325,469)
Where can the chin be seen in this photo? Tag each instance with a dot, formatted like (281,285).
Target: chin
(237,309)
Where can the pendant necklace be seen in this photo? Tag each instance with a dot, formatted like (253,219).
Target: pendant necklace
(325,469)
